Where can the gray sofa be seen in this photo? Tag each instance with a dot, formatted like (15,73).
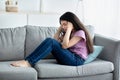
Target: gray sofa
(17,43)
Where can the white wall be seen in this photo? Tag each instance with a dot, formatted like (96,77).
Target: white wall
(118,27)
(58,6)
(44,6)
(43,20)
(8,20)
(2,4)
(102,14)
(29,5)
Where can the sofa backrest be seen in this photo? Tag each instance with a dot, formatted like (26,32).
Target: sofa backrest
(36,34)
(12,42)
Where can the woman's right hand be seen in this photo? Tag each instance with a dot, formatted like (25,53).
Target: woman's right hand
(60,29)
(58,33)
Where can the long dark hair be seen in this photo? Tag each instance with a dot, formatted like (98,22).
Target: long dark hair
(77,24)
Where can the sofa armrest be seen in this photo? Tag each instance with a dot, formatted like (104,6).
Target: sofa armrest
(111,52)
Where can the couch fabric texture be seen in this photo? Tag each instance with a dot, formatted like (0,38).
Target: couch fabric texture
(17,43)
(12,42)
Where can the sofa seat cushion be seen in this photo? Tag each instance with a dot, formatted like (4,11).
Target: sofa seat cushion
(48,68)
(96,67)
(8,72)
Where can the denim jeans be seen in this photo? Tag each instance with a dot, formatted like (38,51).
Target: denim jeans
(63,56)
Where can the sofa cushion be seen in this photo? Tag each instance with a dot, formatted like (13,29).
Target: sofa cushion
(8,72)
(96,67)
(49,68)
(94,54)
(12,42)
(35,35)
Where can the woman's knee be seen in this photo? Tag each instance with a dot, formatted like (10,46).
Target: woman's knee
(48,38)
(51,39)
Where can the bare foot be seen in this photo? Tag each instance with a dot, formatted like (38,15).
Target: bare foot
(21,63)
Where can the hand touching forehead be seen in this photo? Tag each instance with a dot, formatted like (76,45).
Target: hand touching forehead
(65,24)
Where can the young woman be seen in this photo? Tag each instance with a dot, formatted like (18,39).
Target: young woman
(70,46)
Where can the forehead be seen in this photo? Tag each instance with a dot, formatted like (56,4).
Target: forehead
(63,21)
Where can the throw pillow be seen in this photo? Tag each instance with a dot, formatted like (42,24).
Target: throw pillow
(93,56)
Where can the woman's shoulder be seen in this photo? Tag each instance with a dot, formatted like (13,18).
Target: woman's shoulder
(80,32)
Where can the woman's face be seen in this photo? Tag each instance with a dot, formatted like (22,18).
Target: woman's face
(64,25)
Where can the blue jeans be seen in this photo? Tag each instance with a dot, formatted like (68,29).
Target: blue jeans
(63,56)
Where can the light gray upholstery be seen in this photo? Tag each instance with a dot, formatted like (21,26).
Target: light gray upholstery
(35,35)
(12,42)
(108,76)
(111,52)
(8,72)
(96,67)
(50,69)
